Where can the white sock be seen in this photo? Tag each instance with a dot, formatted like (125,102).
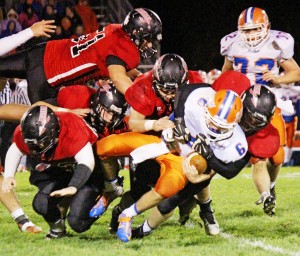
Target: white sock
(265,194)
(17,213)
(131,211)
(146,227)
(272,184)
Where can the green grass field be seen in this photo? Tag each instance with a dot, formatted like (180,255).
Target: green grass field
(245,229)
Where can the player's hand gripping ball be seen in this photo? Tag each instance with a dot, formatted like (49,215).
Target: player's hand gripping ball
(198,161)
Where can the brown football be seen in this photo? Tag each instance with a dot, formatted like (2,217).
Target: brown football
(198,161)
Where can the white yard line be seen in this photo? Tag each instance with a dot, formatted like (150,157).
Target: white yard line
(260,244)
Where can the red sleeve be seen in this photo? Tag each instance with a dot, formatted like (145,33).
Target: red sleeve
(141,95)
(75,96)
(194,77)
(257,142)
(74,135)
(124,49)
(232,80)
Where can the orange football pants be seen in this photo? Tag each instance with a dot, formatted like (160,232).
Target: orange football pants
(278,122)
(172,178)
(290,132)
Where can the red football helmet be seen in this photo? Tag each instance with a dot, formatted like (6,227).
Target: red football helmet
(253,18)
(222,113)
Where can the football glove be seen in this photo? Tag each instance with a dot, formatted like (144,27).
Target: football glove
(202,146)
(181,132)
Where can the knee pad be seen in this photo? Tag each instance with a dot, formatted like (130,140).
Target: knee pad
(79,225)
(40,203)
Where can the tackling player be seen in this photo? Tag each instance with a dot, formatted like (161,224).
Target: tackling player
(112,52)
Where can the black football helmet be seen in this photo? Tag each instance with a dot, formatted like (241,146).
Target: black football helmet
(143,25)
(107,100)
(40,129)
(259,106)
(169,72)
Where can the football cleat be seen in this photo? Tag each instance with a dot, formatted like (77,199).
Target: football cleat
(138,233)
(55,234)
(29,227)
(99,208)
(124,230)
(210,223)
(269,204)
(25,225)
(113,226)
(185,210)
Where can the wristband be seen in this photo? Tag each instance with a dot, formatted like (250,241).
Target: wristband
(148,125)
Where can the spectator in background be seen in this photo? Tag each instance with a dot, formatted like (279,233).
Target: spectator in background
(79,31)
(11,15)
(66,26)
(87,15)
(48,13)
(27,17)
(58,33)
(10,29)
(74,18)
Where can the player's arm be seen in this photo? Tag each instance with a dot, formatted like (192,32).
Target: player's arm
(12,160)
(229,170)
(84,168)
(292,72)
(228,65)
(133,74)
(81,112)
(12,112)
(138,123)
(118,74)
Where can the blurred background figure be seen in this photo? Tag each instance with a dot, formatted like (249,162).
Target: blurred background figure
(11,15)
(87,16)
(212,75)
(203,74)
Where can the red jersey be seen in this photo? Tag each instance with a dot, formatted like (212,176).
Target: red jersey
(79,96)
(72,61)
(142,97)
(75,96)
(74,135)
(264,143)
(194,77)
(232,80)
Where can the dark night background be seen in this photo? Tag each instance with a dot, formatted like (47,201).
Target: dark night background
(193,29)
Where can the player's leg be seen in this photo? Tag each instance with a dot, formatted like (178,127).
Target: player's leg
(78,217)
(48,181)
(108,149)
(143,177)
(38,87)
(207,213)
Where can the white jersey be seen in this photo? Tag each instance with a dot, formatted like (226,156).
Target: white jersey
(228,150)
(278,47)
(292,93)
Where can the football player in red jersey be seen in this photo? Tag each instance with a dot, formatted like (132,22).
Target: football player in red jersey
(151,98)
(64,165)
(113,52)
